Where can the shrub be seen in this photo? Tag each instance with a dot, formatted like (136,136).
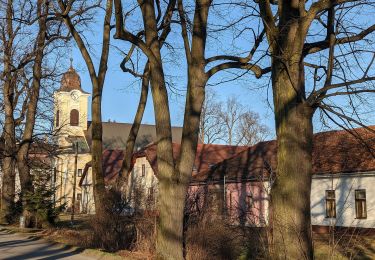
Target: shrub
(39,205)
(113,230)
(208,240)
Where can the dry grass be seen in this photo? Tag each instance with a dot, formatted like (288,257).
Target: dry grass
(208,241)
(79,238)
(345,247)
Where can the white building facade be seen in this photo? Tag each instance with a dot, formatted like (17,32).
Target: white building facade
(343,200)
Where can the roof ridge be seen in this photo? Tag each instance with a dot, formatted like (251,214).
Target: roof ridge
(345,130)
(128,123)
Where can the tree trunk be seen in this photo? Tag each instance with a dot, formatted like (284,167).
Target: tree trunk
(97,151)
(290,194)
(172,193)
(130,143)
(169,237)
(9,162)
(194,104)
(23,151)
(8,185)
(97,80)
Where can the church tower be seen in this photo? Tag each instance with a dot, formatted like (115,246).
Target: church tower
(70,125)
(71,104)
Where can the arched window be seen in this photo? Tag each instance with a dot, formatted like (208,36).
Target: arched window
(74,117)
(57,118)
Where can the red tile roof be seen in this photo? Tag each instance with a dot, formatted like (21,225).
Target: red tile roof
(207,155)
(112,162)
(343,152)
(258,160)
(333,152)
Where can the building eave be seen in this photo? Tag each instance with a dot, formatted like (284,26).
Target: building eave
(343,174)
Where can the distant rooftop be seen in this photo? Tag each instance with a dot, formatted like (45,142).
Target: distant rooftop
(115,135)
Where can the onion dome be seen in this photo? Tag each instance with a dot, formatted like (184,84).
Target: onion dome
(70,80)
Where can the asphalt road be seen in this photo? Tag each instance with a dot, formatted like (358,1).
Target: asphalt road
(19,246)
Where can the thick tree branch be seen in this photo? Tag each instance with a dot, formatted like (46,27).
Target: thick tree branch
(310,48)
(257,70)
(105,41)
(268,21)
(123,34)
(184,31)
(249,57)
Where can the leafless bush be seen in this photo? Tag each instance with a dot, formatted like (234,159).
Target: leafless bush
(144,218)
(145,225)
(208,233)
(213,240)
(114,229)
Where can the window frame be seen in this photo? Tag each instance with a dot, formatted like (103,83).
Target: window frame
(249,202)
(143,170)
(150,195)
(57,124)
(329,200)
(362,202)
(74,115)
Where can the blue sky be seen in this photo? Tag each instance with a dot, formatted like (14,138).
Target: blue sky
(121,94)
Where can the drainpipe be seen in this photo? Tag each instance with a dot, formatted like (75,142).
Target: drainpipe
(225,195)
(75,146)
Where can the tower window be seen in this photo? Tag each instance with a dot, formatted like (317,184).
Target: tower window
(74,117)
(57,118)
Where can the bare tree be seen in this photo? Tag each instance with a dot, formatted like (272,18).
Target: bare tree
(72,12)
(211,130)
(230,122)
(28,131)
(151,48)
(230,116)
(9,86)
(317,38)
(293,30)
(250,130)
(174,176)
(130,143)
(22,62)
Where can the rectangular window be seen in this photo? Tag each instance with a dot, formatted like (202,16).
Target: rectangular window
(79,172)
(143,170)
(330,204)
(79,196)
(151,194)
(360,204)
(230,200)
(54,174)
(249,202)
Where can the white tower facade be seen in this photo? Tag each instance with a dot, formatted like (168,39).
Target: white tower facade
(71,107)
